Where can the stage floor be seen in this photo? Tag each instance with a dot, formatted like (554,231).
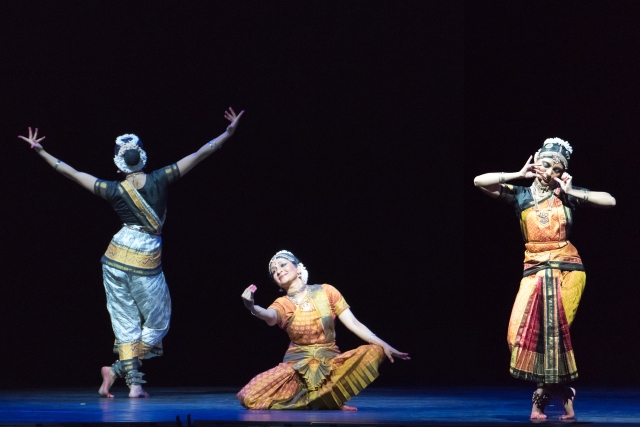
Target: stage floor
(217,407)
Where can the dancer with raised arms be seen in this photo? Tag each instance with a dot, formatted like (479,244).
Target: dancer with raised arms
(137,293)
(553,278)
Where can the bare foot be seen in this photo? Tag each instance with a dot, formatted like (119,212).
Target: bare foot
(348,408)
(568,406)
(108,377)
(136,391)
(537,411)
(537,414)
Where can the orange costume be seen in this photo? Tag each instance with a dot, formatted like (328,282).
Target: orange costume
(550,290)
(313,374)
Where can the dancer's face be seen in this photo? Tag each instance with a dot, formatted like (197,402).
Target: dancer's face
(548,169)
(283,272)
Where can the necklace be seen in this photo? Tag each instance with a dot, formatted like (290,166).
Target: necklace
(540,190)
(543,216)
(302,288)
(133,178)
(304,305)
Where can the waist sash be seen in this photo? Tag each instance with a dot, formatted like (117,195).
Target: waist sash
(560,255)
(135,252)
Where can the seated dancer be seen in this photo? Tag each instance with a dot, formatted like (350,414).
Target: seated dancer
(137,294)
(314,374)
(553,278)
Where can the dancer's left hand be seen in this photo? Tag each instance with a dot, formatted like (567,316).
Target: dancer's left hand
(391,352)
(233,118)
(565,182)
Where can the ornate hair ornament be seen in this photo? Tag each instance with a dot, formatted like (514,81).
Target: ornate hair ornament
(125,143)
(557,149)
(302,270)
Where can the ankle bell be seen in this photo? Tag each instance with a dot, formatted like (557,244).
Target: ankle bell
(134,378)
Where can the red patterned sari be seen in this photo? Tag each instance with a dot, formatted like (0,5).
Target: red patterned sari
(550,290)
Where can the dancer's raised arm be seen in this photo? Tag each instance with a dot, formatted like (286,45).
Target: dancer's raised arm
(597,198)
(269,315)
(489,183)
(186,164)
(84,179)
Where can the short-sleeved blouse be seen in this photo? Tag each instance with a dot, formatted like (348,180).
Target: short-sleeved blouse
(306,327)
(561,212)
(154,192)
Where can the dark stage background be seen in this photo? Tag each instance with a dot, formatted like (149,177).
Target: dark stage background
(348,155)
(535,70)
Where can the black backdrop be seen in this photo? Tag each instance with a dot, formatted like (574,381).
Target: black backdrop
(350,155)
(345,105)
(535,70)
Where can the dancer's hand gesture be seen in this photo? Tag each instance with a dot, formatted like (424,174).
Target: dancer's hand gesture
(233,118)
(391,352)
(247,297)
(529,169)
(565,182)
(33,139)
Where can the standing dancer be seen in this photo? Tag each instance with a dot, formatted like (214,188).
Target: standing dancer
(554,277)
(137,294)
(314,374)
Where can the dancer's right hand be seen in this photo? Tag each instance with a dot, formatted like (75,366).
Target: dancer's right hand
(529,169)
(33,139)
(247,297)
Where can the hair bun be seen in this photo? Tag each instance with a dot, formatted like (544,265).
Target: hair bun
(131,157)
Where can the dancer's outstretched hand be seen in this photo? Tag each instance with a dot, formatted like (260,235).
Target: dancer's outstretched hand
(33,139)
(233,118)
(247,297)
(392,352)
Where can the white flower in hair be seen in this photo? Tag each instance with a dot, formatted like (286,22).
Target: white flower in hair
(304,274)
(559,141)
(280,253)
(127,138)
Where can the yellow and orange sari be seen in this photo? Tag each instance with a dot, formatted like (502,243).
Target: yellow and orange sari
(314,374)
(550,290)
